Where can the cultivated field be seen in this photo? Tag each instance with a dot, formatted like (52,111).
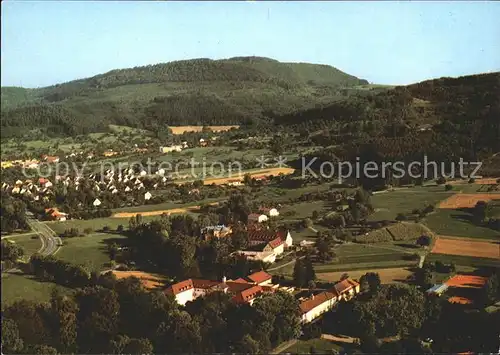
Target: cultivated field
(183,129)
(467,281)
(467,200)
(464,247)
(463,261)
(149,281)
(483,181)
(387,205)
(402,231)
(462,285)
(255,173)
(387,276)
(458,223)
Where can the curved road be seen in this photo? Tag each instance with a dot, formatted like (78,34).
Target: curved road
(50,241)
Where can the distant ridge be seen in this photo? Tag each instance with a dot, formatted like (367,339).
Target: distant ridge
(237,90)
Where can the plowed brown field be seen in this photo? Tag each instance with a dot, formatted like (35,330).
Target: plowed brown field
(467,281)
(466,200)
(263,172)
(467,247)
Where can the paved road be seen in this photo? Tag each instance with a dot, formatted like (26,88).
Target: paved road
(50,241)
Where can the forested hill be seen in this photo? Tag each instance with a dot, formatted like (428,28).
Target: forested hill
(199,91)
(444,118)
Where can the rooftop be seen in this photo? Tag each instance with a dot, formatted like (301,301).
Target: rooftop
(345,285)
(260,276)
(313,302)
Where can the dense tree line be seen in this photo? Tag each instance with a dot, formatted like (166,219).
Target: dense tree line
(460,117)
(404,311)
(118,317)
(12,214)
(48,268)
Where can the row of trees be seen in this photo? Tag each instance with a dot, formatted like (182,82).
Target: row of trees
(48,268)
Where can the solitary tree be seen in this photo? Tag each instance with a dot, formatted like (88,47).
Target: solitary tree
(424,241)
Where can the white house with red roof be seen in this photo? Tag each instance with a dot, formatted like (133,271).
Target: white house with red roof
(260,278)
(269,211)
(314,306)
(259,236)
(243,291)
(44,182)
(55,214)
(257,218)
(266,257)
(276,246)
(347,289)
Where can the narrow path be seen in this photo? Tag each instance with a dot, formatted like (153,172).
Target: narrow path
(18,235)
(338,338)
(283,346)
(422,260)
(313,229)
(286,264)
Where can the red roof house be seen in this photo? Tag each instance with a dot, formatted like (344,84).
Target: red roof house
(260,278)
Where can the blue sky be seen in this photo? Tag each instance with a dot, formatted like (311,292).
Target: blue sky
(44,43)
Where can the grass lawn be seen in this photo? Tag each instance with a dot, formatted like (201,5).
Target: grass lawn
(387,205)
(457,223)
(333,267)
(30,243)
(16,287)
(303,210)
(361,257)
(166,206)
(375,263)
(321,346)
(89,250)
(95,224)
(281,195)
(463,260)
(303,234)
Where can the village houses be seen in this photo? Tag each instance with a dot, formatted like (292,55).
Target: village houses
(243,290)
(246,290)
(169,149)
